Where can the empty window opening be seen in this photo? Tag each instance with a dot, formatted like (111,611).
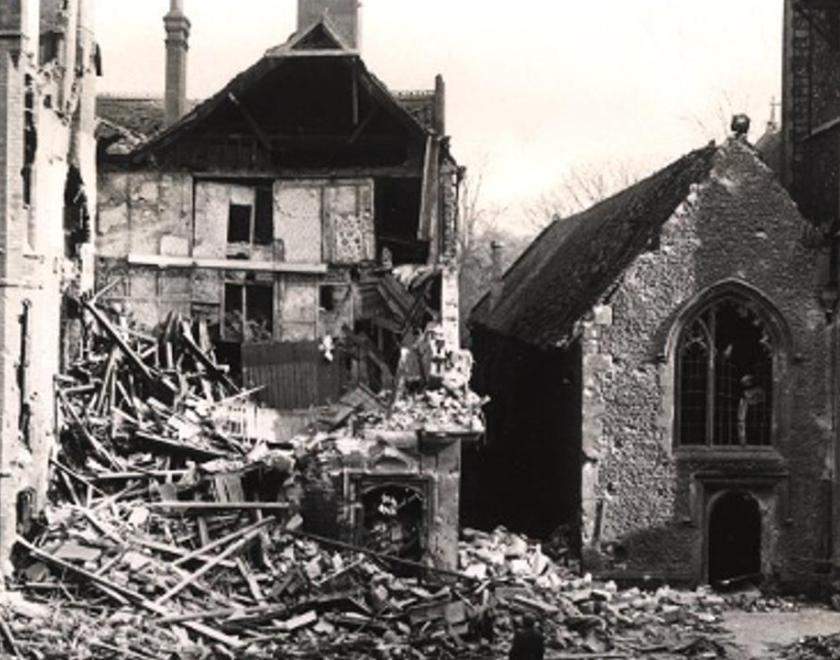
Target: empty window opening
(726,378)
(252,224)
(327,296)
(24,408)
(734,540)
(51,45)
(30,140)
(397,220)
(249,312)
(393,522)
(264,216)
(239,223)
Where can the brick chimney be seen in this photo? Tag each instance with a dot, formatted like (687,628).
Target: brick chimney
(177,44)
(342,14)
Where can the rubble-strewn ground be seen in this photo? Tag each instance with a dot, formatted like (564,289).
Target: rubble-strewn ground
(173,535)
(801,634)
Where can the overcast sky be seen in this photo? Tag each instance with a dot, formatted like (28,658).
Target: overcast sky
(535,88)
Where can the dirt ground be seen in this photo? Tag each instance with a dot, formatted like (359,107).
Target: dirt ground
(761,634)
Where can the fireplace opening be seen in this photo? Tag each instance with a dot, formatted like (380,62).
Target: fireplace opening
(393,522)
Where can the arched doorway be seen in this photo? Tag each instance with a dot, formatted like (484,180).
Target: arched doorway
(734,537)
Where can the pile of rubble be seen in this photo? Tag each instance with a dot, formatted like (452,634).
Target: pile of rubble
(813,648)
(119,582)
(173,534)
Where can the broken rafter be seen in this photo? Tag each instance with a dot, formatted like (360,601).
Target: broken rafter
(203,507)
(87,435)
(9,638)
(215,561)
(116,335)
(111,588)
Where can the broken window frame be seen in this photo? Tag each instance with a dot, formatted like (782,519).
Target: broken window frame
(261,217)
(726,428)
(248,290)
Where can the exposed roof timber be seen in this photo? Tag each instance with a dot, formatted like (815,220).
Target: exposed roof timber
(236,86)
(824,128)
(249,118)
(257,72)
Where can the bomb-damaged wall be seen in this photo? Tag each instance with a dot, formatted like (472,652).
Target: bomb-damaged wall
(646,500)
(163,246)
(46,114)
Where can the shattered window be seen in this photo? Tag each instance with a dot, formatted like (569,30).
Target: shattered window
(249,312)
(725,378)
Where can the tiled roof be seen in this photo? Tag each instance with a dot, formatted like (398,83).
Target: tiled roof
(138,114)
(575,260)
(145,115)
(420,105)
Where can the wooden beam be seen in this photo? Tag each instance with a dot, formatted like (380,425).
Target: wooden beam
(255,127)
(236,547)
(108,586)
(164,261)
(219,506)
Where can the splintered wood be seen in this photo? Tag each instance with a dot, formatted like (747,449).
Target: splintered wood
(168,536)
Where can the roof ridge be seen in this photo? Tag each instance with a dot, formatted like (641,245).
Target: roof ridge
(579,255)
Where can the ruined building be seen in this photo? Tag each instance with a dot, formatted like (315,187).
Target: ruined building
(48,68)
(663,366)
(307,216)
(303,211)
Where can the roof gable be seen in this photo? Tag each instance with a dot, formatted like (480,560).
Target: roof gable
(575,260)
(303,49)
(320,36)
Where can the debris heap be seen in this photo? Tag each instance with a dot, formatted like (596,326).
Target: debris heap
(174,535)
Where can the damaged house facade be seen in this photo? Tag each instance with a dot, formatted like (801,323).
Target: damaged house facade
(48,68)
(307,216)
(670,405)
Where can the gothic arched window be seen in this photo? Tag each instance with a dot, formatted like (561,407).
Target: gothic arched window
(725,362)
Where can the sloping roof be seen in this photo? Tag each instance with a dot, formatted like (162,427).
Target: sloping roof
(296,47)
(420,104)
(575,260)
(143,115)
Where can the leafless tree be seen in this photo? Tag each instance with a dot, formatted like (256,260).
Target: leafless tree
(578,190)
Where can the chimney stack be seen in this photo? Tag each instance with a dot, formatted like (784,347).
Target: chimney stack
(497,249)
(177,44)
(343,15)
(440,105)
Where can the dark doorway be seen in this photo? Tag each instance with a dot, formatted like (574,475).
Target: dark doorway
(734,539)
